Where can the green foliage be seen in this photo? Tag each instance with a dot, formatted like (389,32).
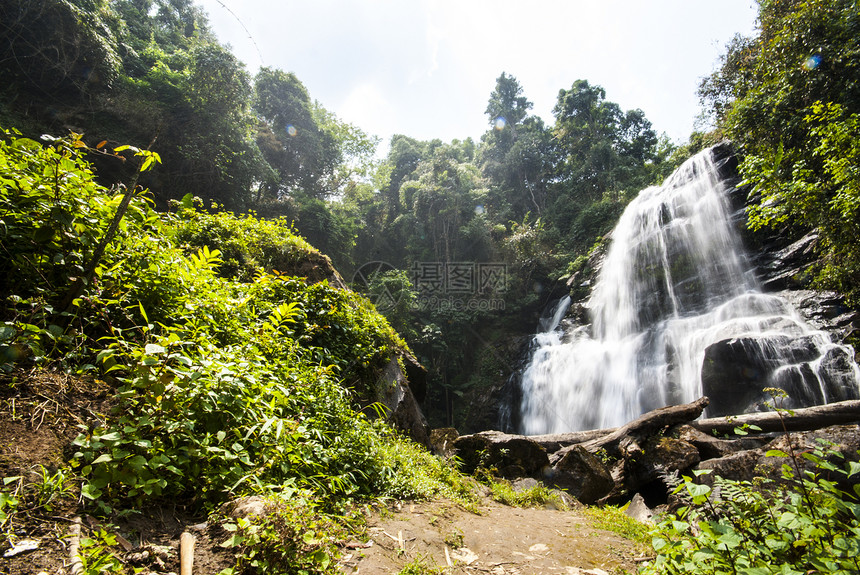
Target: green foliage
(803,521)
(152,74)
(789,97)
(291,536)
(55,45)
(537,496)
(10,499)
(96,556)
(818,186)
(223,387)
(416,474)
(394,296)
(36,493)
(420,566)
(248,245)
(612,518)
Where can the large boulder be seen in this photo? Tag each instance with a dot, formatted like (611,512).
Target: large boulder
(580,473)
(740,466)
(745,465)
(735,371)
(510,455)
(396,395)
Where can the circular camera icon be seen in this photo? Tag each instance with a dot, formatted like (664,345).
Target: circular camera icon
(366,280)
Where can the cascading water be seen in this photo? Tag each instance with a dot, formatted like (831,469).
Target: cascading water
(674,296)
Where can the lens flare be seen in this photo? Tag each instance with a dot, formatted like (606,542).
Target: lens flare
(812,62)
(500,123)
(291,130)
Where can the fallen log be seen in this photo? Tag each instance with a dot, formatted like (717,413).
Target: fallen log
(555,441)
(186,553)
(647,425)
(803,419)
(76,564)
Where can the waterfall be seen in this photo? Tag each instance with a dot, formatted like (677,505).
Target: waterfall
(676,311)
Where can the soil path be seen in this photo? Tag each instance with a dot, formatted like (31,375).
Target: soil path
(40,415)
(499,540)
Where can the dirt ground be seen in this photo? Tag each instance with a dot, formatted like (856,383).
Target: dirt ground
(500,540)
(41,413)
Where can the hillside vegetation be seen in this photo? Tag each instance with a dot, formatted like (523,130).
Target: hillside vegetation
(228,379)
(168,225)
(523,204)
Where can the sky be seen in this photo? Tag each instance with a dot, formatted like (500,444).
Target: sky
(426,68)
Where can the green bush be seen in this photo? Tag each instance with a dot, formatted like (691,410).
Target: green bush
(248,245)
(223,387)
(801,524)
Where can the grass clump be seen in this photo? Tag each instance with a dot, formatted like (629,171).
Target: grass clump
(536,496)
(612,518)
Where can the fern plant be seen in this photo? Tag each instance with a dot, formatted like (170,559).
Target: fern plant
(802,523)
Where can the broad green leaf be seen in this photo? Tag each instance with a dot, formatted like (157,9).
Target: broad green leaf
(154,349)
(103,458)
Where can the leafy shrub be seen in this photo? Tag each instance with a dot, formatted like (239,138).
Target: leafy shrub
(248,245)
(804,523)
(224,387)
(290,537)
(536,496)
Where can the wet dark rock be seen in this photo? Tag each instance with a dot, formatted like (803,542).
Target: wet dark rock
(783,262)
(581,474)
(511,455)
(711,447)
(442,441)
(494,404)
(735,371)
(824,310)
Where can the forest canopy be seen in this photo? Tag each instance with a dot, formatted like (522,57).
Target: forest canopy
(527,203)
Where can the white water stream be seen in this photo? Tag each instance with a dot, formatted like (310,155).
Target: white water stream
(674,282)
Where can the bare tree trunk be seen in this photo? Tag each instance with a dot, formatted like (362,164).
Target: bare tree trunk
(804,419)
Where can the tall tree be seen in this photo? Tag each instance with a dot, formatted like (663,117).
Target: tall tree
(790,97)
(57,49)
(290,138)
(515,153)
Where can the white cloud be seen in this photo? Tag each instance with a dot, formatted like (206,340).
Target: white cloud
(426,68)
(366,105)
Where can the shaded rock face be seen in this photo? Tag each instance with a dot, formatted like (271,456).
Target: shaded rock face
(824,310)
(581,474)
(511,455)
(404,413)
(442,441)
(735,371)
